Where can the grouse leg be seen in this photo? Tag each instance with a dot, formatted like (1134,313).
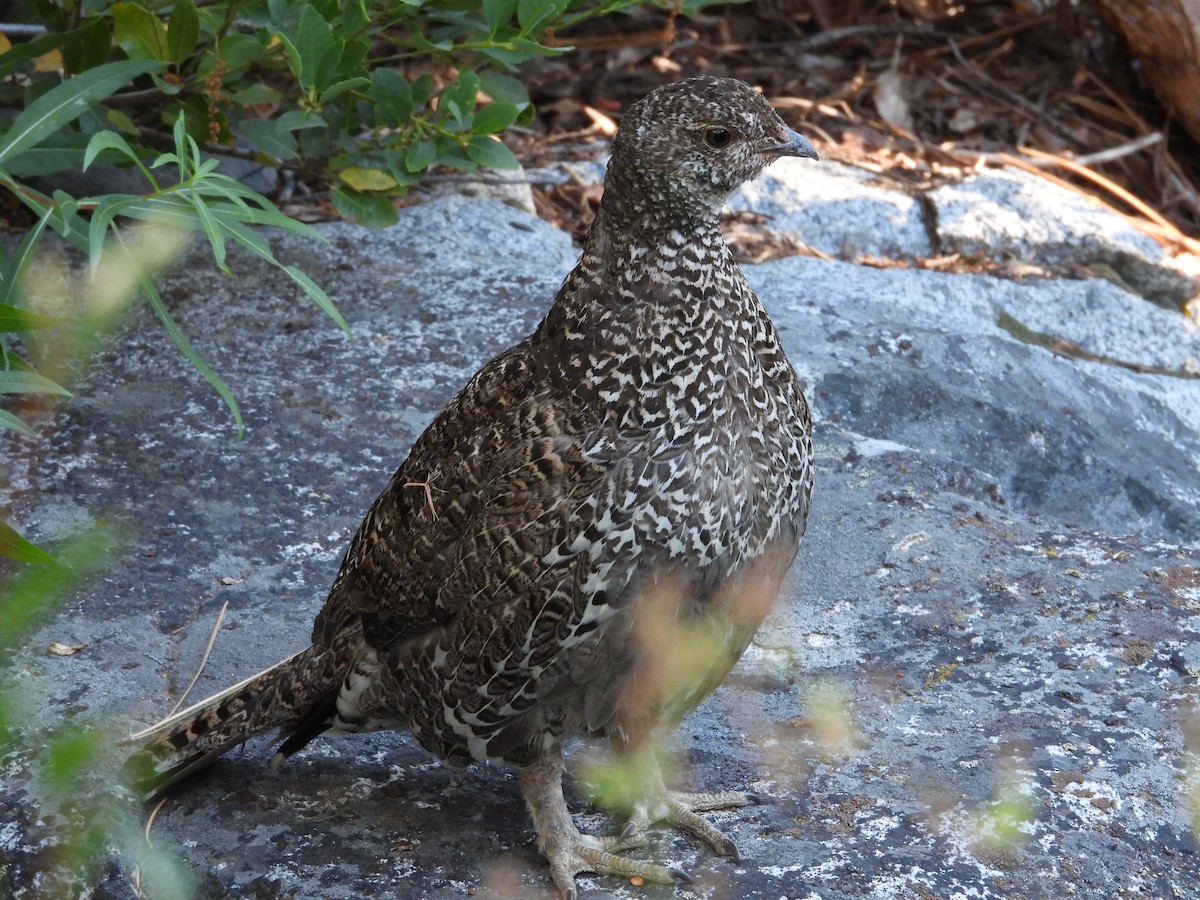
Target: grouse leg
(570,852)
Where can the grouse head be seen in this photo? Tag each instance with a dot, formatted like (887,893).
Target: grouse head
(685,147)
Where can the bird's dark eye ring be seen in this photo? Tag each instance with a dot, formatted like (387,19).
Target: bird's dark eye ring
(718,137)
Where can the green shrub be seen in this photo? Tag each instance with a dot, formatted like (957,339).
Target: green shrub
(322,86)
(364,96)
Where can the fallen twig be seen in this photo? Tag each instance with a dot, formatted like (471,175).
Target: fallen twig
(1135,146)
(212,639)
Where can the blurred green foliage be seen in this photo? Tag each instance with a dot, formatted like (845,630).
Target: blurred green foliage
(365,95)
(73,788)
(369,93)
(48,324)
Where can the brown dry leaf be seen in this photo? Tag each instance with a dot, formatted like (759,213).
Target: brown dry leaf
(60,649)
(604,124)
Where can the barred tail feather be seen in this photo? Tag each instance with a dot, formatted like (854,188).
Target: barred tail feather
(296,695)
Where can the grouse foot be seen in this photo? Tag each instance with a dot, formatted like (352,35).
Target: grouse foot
(571,853)
(680,810)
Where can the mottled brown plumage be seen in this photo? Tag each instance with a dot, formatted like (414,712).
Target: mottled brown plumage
(632,476)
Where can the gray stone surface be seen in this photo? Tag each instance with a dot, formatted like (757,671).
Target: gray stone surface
(1000,215)
(841,210)
(995,609)
(1005,214)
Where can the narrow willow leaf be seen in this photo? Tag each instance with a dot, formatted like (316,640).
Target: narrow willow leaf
(13,546)
(187,350)
(12,423)
(18,264)
(12,59)
(66,102)
(55,153)
(108,140)
(13,318)
(318,296)
(16,382)
(211,230)
(107,209)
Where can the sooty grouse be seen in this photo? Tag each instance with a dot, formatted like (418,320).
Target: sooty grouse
(588,536)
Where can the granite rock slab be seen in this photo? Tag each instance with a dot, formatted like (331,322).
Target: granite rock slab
(995,608)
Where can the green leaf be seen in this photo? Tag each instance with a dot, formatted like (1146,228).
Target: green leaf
(121,121)
(278,11)
(109,207)
(236,52)
(87,46)
(420,155)
(264,135)
(187,350)
(139,32)
(13,546)
(13,318)
(318,296)
(507,57)
(12,423)
(16,266)
(355,16)
(56,153)
(533,48)
(12,59)
(183,30)
(106,140)
(253,94)
(489,152)
(461,94)
(32,592)
(363,179)
(422,90)
(393,98)
(314,45)
(424,45)
(503,88)
(536,15)
(494,117)
(371,210)
(13,381)
(452,107)
(351,60)
(529,12)
(299,119)
(498,12)
(336,90)
(66,102)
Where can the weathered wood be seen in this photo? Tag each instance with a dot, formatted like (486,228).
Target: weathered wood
(1165,36)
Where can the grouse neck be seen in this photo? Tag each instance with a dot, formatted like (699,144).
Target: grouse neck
(643,204)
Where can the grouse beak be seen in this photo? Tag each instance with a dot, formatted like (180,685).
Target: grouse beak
(793,145)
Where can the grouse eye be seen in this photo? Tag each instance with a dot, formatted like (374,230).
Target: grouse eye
(718,137)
